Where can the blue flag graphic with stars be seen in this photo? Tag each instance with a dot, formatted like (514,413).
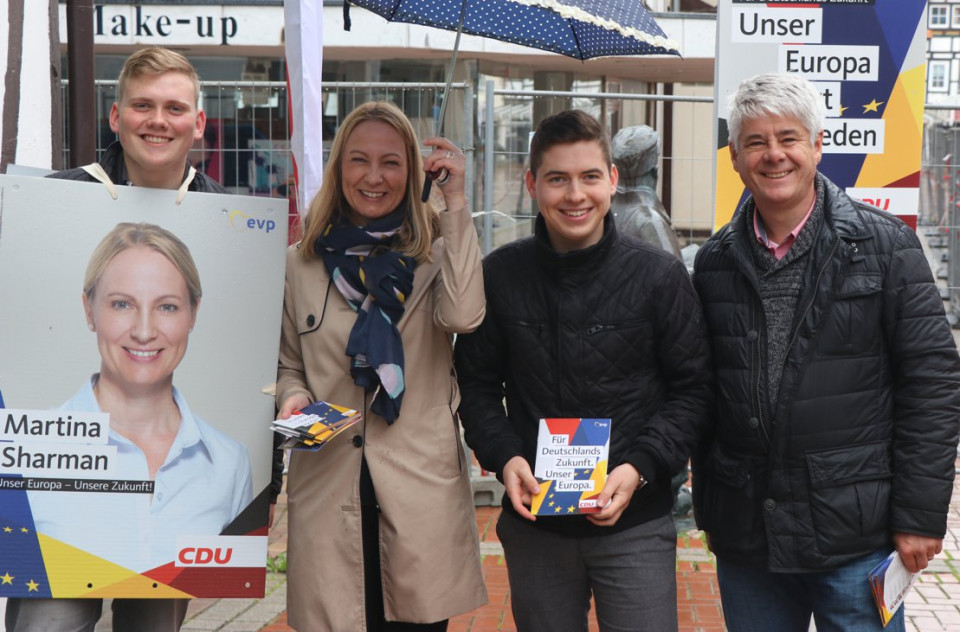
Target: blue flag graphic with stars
(22,573)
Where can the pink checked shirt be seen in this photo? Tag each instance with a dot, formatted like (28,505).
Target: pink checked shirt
(779,250)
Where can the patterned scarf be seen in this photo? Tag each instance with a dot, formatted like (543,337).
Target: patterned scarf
(375,281)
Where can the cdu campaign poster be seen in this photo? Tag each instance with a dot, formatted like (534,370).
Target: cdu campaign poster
(138,349)
(867,57)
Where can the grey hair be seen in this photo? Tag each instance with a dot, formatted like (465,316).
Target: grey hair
(775,94)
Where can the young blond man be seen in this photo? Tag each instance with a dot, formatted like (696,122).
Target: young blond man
(156,119)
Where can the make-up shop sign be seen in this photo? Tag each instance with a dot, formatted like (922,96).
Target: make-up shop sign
(212,25)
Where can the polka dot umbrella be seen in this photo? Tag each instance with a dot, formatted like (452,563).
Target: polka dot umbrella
(582,29)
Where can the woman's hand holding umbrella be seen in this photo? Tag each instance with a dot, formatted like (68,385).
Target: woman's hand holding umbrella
(447,165)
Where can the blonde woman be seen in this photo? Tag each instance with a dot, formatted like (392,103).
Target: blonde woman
(375,292)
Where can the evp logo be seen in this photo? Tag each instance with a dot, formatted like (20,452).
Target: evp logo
(241,221)
(223,551)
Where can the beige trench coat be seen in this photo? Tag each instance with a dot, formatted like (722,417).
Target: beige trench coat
(429,547)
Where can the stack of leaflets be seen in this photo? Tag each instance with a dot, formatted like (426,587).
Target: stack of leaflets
(890,581)
(571,466)
(315,425)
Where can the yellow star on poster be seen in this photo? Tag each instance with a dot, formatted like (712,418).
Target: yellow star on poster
(843,109)
(7,530)
(872,106)
(24,530)
(32,586)
(557,510)
(6,578)
(550,504)
(571,509)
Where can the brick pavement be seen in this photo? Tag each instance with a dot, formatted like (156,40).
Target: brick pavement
(934,606)
(698,602)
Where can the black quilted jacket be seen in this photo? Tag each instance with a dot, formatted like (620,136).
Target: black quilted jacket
(614,330)
(863,439)
(112,163)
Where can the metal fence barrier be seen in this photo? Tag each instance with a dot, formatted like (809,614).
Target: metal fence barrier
(939,214)
(246,144)
(246,147)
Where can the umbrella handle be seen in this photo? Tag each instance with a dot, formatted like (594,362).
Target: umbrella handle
(428,181)
(427,185)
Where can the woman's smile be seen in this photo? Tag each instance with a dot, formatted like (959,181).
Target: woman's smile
(142,314)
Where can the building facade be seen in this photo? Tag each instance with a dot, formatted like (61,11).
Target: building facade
(943,52)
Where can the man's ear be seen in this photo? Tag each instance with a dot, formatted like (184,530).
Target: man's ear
(200,125)
(115,118)
(733,156)
(531,181)
(614,179)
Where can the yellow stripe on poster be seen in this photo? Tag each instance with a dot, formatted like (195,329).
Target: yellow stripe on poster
(73,572)
(903,118)
(729,190)
(537,501)
(136,586)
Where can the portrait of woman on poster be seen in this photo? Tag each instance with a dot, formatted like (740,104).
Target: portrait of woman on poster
(375,292)
(141,296)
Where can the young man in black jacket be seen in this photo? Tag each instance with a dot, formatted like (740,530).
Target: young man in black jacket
(835,430)
(584,322)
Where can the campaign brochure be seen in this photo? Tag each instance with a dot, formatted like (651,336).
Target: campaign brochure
(571,466)
(890,581)
(314,426)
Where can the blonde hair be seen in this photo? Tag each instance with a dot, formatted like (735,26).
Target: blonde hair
(156,60)
(420,220)
(127,235)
